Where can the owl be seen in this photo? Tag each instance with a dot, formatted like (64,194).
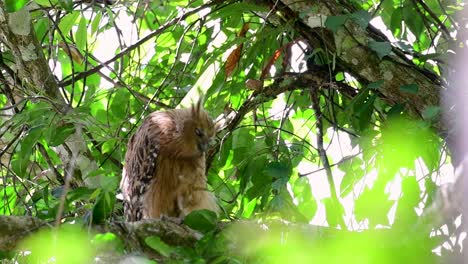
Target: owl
(164,172)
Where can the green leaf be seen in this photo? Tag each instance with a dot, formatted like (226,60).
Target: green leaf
(81,34)
(254,168)
(278,170)
(280,183)
(339,76)
(413,20)
(254,173)
(403,141)
(45,195)
(334,211)
(431,191)
(57,135)
(103,207)
(28,143)
(242,138)
(258,190)
(119,104)
(396,110)
(431,112)
(237,9)
(395,23)
(353,173)
(410,191)
(14,5)
(95,23)
(108,182)
(19,164)
(306,203)
(46,2)
(283,204)
(201,220)
(8,198)
(362,18)
(67,22)
(375,85)
(374,205)
(410,88)
(42,28)
(335,22)
(109,242)
(67,244)
(278,203)
(66,4)
(249,207)
(405,213)
(381,48)
(80,193)
(430,56)
(160,246)
(166,40)
(365,112)
(108,146)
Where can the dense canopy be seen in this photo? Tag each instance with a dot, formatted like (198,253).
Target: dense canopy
(340,127)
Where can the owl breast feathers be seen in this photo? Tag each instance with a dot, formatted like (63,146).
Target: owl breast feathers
(164,172)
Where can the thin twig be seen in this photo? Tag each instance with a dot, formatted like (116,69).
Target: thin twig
(315,77)
(156,32)
(436,19)
(68,175)
(314,95)
(12,141)
(49,162)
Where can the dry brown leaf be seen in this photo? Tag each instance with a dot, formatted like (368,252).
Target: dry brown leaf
(270,63)
(254,84)
(244,30)
(232,60)
(72,51)
(234,57)
(285,50)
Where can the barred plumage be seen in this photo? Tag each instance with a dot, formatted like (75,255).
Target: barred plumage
(164,172)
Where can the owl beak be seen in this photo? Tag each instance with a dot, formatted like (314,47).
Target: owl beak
(203,146)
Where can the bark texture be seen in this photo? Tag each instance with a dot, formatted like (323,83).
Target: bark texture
(349,45)
(33,72)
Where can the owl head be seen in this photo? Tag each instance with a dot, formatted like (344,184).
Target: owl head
(198,131)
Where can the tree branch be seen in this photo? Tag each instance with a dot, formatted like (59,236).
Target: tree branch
(349,46)
(323,155)
(13,229)
(316,77)
(156,32)
(17,33)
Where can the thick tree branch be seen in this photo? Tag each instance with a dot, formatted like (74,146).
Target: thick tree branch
(349,45)
(17,33)
(13,229)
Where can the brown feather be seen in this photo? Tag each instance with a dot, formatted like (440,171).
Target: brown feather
(164,172)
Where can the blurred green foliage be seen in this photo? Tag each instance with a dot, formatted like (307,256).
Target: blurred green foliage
(68,244)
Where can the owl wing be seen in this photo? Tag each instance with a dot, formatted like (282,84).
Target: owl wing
(139,169)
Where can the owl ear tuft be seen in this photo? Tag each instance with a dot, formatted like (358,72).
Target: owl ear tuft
(197,108)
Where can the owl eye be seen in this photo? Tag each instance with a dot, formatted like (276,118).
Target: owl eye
(198,132)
